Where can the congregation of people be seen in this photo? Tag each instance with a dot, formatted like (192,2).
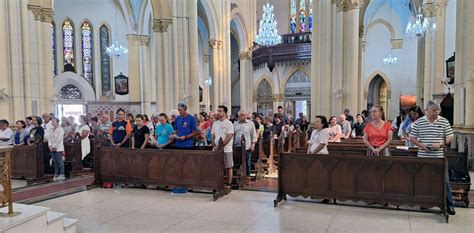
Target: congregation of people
(422,128)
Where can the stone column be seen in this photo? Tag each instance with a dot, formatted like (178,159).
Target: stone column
(47,84)
(278,100)
(5,103)
(159,61)
(468,64)
(321,64)
(133,68)
(25,31)
(439,57)
(246,81)
(170,103)
(193,77)
(351,56)
(217,74)
(459,66)
(206,92)
(144,71)
(337,93)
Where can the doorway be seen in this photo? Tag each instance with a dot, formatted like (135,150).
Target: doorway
(67,110)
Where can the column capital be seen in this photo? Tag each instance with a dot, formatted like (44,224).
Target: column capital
(429,10)
(216,44)
(143,40)
(161,25)
(347,5)
(397,43)
(278,97)
(41,14)
(245,55)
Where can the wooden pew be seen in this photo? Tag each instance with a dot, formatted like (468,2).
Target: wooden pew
(171,167)
(73,158)
(27,161)
(394,180)
(240,160)
(265,149)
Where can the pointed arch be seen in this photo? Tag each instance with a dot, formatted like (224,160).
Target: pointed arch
(260,80)
(68,42)
(373,75)
(384,23)
(241,30)
(210,17)
(87,51)
(289,74)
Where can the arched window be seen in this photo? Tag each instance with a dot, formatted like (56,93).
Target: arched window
(104,59)
(87,61)
(301,16)
(68,43)
(53,48)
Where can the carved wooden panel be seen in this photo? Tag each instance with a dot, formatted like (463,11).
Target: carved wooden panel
(27,161)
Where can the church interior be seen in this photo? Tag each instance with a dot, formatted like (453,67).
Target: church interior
(236,115)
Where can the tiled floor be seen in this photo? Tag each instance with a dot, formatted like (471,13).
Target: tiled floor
(136,210)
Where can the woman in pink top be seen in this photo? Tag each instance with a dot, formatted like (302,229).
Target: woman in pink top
(334,130)
(378,133)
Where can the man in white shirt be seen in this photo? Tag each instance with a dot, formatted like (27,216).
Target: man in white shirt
(6,134)
(247,128)
(47,126)
(223,129)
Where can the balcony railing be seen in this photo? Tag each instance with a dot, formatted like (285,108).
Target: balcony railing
(293,47)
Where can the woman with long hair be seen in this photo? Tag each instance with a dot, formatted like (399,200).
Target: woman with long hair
(415,113)
(378,133)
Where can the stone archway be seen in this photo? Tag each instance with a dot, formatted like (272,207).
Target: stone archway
(298,95)
(264,97)
(378,93)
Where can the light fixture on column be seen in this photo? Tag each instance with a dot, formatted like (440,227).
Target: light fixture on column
(208,81)
(267,31)
(420,26)
(116,49)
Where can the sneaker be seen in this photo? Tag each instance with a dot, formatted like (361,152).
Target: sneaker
(451,211)
(60,177)
(55,178)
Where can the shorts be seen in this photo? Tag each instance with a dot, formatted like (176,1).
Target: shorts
(228,159)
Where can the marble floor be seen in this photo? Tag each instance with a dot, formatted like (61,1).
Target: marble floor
(137,210)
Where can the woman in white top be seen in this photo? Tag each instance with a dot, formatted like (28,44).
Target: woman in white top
(319,137)
(56,147)
(83,131)
(335,130)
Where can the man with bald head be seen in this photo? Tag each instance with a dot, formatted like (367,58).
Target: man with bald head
(346,127)
(247,128)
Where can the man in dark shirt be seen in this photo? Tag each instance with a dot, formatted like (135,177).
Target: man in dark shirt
(349,117)
(283,116)
(185,128)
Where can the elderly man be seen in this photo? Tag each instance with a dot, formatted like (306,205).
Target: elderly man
(431,133)
(47,126)
(346,127)
(247,128)
(6,134)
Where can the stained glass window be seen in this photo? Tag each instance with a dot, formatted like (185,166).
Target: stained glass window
(68,43)
(293,16)
(310,20)
(302,15)
(87,62)
(70,92)
(53,48)
(104,59)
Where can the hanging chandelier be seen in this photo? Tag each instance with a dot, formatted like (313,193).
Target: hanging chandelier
(420,26)
(388,60)
(267,31)
(116,50)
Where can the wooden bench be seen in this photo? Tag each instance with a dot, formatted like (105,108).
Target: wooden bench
(171,167)
(395,180)
(27,161)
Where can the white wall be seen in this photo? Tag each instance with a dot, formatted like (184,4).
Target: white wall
(97,13)
(402,75)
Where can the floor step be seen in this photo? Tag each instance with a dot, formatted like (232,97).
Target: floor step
(70,225)
(53,217)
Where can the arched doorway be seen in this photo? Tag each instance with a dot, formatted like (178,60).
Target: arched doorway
(264,98)
(235,74)
(298,95)
(378,93)
(70,102)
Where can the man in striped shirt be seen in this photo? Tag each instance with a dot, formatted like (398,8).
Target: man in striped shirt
(431,133)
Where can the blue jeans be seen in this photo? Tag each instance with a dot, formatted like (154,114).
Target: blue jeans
(248,157)
(58,162)
(449,194)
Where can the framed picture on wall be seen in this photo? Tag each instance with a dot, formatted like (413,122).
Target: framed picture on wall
(450,69)
(121,84)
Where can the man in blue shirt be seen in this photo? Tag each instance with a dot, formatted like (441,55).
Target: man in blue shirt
(185,128)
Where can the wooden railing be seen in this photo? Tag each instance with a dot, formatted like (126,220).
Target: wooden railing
(294,47)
